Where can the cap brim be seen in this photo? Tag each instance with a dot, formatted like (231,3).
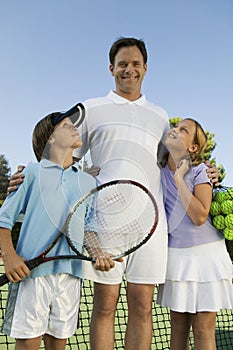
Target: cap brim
(76,115)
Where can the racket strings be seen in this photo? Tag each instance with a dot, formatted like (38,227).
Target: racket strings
(117,219)
(111,199)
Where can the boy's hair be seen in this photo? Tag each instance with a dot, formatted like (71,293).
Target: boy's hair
(200,139)
(41,134)
(127,42)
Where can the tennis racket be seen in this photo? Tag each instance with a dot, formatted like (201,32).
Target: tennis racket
(119,217)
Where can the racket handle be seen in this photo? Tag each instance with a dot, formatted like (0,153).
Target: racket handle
(3,280)
(31,264)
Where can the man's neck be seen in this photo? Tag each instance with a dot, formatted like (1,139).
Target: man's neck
(128,96)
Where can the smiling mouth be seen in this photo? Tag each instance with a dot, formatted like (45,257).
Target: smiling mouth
(172,135)
(129,77)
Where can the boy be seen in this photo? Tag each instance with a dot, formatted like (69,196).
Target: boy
(46,301)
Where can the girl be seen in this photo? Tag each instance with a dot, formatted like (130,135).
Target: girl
(199,272)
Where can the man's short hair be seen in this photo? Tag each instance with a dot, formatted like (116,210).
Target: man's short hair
(127,42)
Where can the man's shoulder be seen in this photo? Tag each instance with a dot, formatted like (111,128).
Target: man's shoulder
(156,108)
(96,101)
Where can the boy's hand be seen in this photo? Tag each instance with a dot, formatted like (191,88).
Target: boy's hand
(212,173)
(15,267)
(16,179)
(105,263)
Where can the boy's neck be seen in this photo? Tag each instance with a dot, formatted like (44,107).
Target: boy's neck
(65,161)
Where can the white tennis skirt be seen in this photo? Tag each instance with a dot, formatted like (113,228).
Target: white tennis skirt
(198,279)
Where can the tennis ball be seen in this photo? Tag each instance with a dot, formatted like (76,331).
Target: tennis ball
(215,208)
(229,221)
(219,222)
(219,196)
(228,234)
(227,206)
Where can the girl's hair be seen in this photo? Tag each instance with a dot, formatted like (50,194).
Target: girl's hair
(41,134)
(200,139)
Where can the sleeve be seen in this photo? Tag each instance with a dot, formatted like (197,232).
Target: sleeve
(162,149)
(200,175)
(90,222)
(83,132)
(15,204)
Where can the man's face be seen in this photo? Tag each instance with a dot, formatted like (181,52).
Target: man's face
(129,71)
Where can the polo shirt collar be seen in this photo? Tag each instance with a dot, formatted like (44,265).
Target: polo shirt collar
(121,100)
(46,163)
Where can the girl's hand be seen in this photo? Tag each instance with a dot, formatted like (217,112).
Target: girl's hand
(182,168)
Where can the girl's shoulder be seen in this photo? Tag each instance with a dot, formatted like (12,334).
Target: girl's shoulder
(200,167)
(199,173)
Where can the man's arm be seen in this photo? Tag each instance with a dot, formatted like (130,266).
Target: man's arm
(17,178)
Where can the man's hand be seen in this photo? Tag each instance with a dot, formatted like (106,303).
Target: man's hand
(16,179)
(212,173)
(93,170)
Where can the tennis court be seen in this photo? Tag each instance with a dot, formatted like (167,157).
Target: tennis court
(161,324)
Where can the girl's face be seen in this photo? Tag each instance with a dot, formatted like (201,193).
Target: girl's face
(66,135)
(181,138)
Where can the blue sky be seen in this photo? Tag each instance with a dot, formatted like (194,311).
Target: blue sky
(54,53)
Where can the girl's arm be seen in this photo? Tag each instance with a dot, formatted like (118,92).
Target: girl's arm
(14,265)
(197,204)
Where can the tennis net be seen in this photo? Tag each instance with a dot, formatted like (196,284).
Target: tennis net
(161,324)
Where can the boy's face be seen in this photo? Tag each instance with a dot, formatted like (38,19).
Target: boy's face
(66,135)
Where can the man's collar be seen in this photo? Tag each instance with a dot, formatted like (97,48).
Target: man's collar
(121,100)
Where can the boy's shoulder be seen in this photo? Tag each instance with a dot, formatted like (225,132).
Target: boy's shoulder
(31,168)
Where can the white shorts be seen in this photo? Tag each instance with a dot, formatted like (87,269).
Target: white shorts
(147,265)
(43,305)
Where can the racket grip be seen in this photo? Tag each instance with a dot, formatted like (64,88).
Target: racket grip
(31,264)
(3,280)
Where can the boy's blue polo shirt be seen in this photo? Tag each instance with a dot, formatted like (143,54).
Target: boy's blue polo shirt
(45,198)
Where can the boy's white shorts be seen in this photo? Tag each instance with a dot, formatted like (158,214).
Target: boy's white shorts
(43,305)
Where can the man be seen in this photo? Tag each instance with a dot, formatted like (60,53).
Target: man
(123,132)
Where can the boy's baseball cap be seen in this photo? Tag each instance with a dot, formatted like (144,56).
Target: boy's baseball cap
(76,115)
